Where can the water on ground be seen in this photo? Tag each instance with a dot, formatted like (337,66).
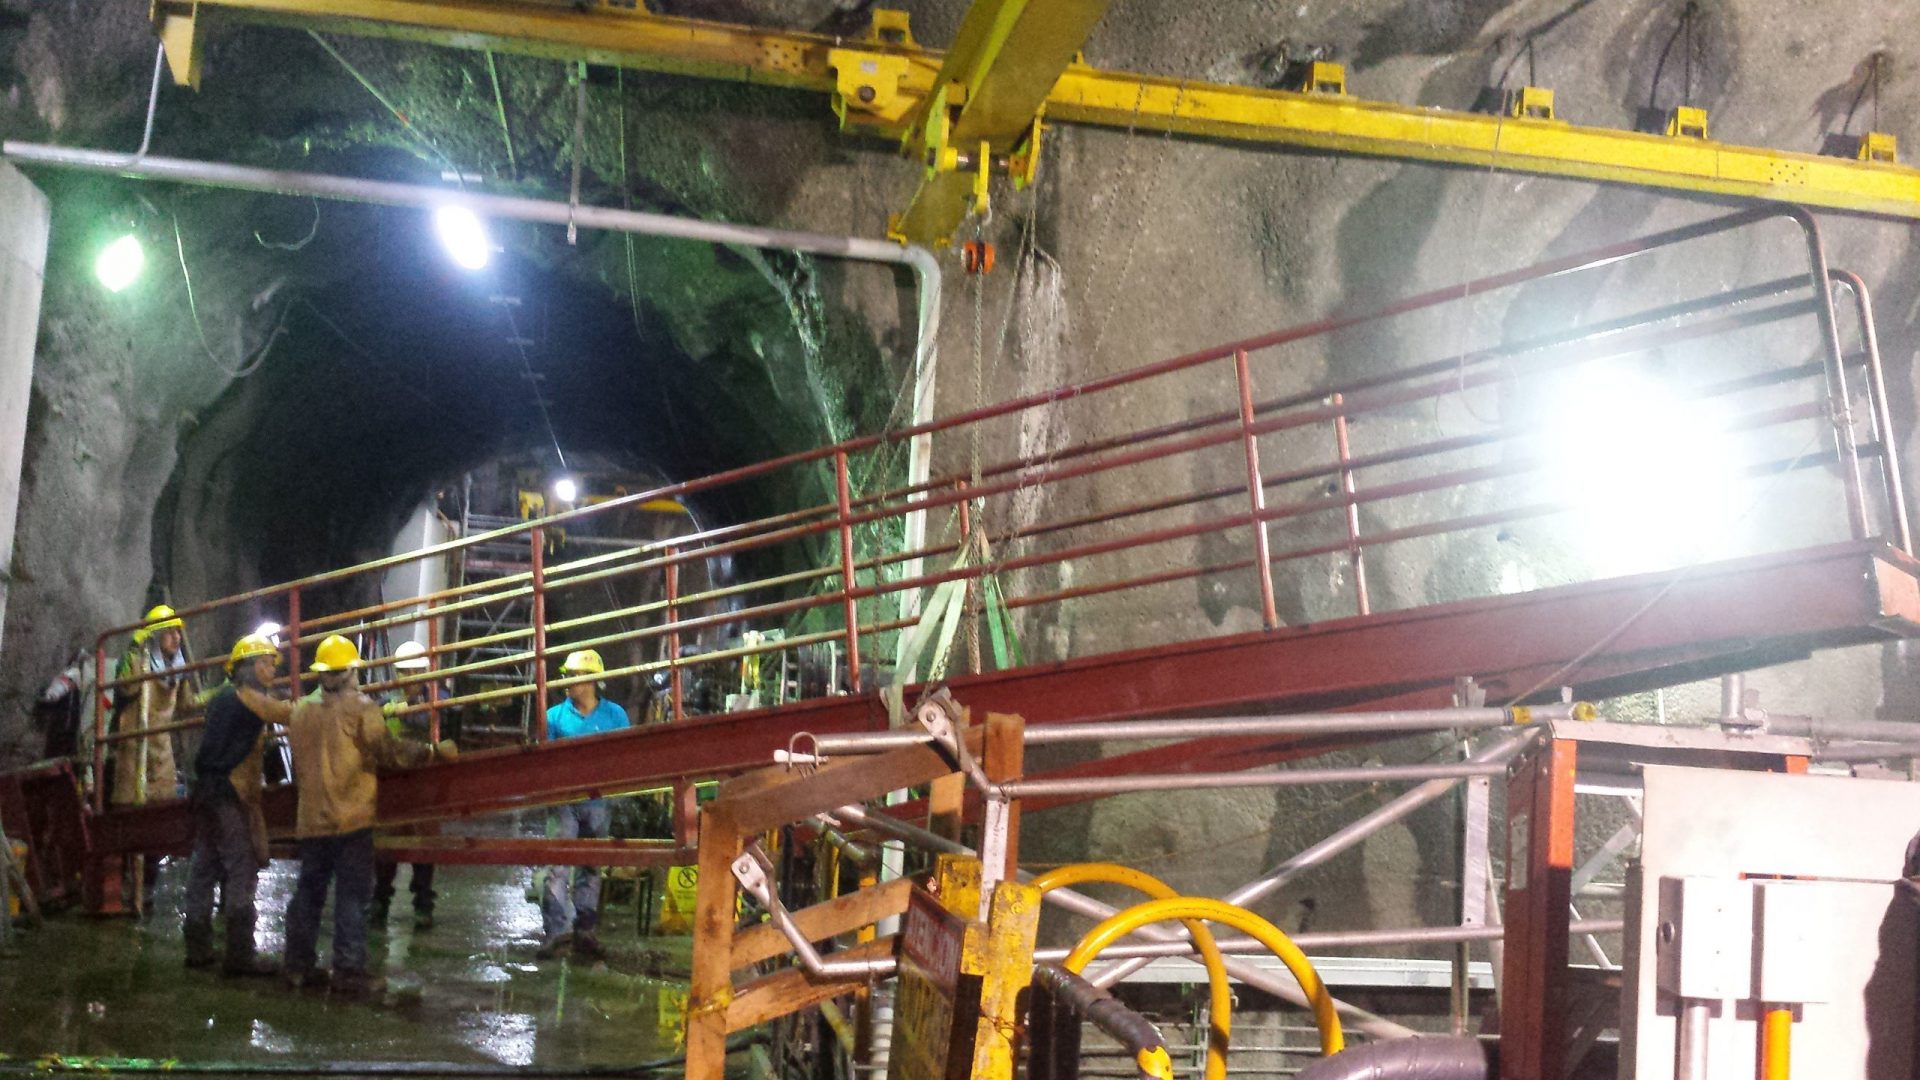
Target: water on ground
(468,992)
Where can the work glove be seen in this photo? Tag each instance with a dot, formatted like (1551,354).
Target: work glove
(444,750)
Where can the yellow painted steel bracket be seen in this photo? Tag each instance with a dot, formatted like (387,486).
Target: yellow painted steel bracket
(902,81)
(1332,1040)
(1219,985)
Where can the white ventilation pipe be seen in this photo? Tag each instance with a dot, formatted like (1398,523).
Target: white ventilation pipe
(926,269)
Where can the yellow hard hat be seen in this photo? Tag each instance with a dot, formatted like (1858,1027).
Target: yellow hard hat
(336,654)
(411,656)
(583,662)
(249,647)
(160,617)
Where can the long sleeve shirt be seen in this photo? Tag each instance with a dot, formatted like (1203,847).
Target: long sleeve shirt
(232,734)
(340,744)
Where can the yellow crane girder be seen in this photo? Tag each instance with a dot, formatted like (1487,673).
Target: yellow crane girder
(886,84)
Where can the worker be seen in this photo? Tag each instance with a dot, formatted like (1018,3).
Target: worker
(339,743)
(156,651)
(229,830)
(576,917)
(143,768)
(408,660)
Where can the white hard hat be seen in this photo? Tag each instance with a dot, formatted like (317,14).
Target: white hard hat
(411,656)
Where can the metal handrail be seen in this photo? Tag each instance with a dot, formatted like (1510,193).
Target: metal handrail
(847,577)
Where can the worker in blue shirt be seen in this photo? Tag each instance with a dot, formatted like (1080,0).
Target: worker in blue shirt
(573,913)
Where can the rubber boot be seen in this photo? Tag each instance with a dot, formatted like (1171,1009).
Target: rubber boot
(200,952)
(551,947)
(242,961)
(423,920)
(359,985)
(586,946)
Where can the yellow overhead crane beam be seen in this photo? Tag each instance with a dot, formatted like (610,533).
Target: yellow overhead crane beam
(886,84)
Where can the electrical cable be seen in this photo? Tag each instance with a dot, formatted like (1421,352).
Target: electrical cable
(312,231)
(533,384)
(367,84)
(248,365)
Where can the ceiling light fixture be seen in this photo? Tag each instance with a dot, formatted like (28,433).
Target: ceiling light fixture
(464,236)
(119,264)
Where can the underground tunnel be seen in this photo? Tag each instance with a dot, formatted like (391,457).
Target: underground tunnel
(705,505)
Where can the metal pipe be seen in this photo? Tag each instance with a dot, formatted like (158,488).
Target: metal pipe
(537,723)
(1331,723)
(1840,406)
(921,262)
(1733,688)
(1362,604)
(1429,1057)
(755,872)
(1696,1019)
(1256,493)
(1121,785)
(1877,400)
(1340,840)
(1329,939)
(1890,731)
(1253,975)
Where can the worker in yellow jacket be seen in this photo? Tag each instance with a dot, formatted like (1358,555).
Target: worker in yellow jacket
(143,768)
(340,744)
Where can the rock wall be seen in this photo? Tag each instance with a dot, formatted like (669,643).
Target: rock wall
(1143,247)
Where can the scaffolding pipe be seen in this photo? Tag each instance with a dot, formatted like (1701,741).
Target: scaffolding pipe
(1888,731)
(1360,774)
(1252,975)
(1500,751)
(1331,723)
(1328,939)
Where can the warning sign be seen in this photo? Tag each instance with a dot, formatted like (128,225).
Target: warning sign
(935,991)
(676,907)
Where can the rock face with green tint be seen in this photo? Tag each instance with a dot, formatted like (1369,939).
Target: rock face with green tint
(150,463)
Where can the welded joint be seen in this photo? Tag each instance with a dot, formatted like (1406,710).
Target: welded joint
(754,871)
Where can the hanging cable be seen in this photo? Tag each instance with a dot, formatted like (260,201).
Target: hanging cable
(312,231)
(533,384)
(248,365)
(367,84)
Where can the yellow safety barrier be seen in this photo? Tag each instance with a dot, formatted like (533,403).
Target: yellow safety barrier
(1193,907)
(1219,989)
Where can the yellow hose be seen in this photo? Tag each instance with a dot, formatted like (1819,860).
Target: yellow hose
(1219,989)
(1195,907)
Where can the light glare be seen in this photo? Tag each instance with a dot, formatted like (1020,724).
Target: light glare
(464,237)
(1650,475)
(269,630)
(119,263)
(565,489)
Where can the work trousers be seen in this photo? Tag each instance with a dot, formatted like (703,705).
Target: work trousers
(346,863)
(560,912)
(421,885)
(223,856)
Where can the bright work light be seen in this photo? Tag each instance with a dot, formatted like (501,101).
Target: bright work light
(119,264)
(464,237)
(565,489)
(269,630)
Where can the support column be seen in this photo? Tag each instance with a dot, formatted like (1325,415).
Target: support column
(24,219)
(1533,1005)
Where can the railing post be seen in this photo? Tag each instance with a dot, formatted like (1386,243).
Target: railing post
(1256,493)
(851,610)
(433,684)
(102,708)
(1347,489)
(538,722)
(674,691)
(293,641)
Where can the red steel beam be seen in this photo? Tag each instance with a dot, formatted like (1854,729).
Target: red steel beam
(532,851)
(1634,628)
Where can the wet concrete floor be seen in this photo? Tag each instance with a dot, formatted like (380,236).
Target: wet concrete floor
(468,992)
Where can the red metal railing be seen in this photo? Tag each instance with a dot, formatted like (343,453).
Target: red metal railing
(1390,479)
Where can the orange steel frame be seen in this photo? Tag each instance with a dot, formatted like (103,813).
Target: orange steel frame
(1541,820)
(1761,609)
